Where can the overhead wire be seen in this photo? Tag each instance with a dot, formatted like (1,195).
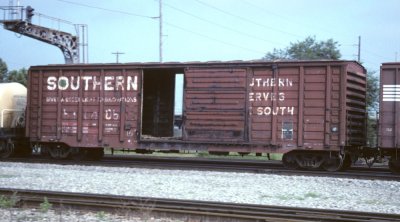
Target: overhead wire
(375,54)
(285,17)
(214,39)
(318,27)
(220,25)
(109,10)
(207,21)
(168,23)
(248,20)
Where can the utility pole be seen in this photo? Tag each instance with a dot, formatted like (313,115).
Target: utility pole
(84,45)
(82,31)
(161,34)
(359,49)
(117,55)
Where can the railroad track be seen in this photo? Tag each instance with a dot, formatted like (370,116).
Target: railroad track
(205,210)
(248,166)
(225,165)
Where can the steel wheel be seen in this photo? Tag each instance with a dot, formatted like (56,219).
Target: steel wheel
(6,149)
(289,161)
(59,152)
(333,163)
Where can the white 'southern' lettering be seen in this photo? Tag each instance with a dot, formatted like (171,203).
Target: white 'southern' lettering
(106,83)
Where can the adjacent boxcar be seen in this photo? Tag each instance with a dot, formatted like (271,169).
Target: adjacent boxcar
(389,114)
(313,111)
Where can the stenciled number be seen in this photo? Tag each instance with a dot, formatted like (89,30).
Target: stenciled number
(111,114)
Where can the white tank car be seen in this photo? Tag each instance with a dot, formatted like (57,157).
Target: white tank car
(12,105)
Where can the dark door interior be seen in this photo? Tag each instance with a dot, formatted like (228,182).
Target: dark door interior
(158,103)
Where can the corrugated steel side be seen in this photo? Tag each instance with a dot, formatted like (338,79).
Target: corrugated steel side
(389,109)
(84,107)
(295,105)
(356,107)
(215,104)
(265,106)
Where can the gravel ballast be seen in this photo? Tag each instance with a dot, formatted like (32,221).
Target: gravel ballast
(35,215)
(267,189)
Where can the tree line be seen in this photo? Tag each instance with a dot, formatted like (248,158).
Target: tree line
(19,76)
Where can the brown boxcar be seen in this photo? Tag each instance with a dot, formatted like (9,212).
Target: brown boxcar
(313,111)
(389,114)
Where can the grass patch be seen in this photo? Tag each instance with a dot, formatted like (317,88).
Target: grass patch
(45,206)
(9,202)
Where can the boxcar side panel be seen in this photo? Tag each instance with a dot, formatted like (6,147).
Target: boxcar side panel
(295,106)
(215,107)
(84,107)
(315,78)
(389,112)
(257,107)
(332,118)
(273,105)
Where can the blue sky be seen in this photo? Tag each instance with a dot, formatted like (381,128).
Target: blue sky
(209,30)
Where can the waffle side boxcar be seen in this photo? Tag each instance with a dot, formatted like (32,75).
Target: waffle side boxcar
(389,114)
(312,111)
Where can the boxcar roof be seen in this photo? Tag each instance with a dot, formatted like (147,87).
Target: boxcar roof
(237,63)
(391,63)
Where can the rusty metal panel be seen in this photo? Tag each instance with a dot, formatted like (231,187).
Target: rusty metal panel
(273,100)
(308,101)
(300,142)
(215,104)
(389,110)
(314,106)
(276,106)
(84,106)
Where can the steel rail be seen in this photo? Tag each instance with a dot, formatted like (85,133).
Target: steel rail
(248,212)
(224,165)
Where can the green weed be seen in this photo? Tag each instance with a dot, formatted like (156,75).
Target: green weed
(45,206)
(9,202)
